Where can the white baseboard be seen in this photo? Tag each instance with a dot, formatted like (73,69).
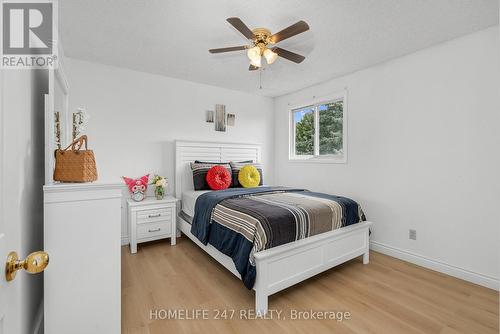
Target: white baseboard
(467,275)
(38,326)
(125,241)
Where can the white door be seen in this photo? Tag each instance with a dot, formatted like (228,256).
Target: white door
(13,293)
(6,292)
(8,323)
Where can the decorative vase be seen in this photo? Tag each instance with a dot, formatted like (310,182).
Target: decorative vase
(159,192)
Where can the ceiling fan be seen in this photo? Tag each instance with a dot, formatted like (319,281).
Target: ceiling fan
(261,40)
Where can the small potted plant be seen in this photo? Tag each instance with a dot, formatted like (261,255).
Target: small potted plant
(160,184)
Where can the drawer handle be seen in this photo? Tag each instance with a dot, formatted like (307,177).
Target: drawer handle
(158,229)
(154,216)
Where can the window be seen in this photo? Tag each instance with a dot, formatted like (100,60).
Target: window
(318,131)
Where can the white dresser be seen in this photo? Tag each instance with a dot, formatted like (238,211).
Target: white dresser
(151,219)
(82,284)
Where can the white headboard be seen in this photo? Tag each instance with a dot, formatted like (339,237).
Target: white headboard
(189,151)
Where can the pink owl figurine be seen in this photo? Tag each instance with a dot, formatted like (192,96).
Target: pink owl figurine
(137,187)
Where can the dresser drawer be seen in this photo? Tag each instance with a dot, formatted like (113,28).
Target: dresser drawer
(154,215)
(154,229)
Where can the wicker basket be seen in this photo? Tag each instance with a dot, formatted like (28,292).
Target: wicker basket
(74,164)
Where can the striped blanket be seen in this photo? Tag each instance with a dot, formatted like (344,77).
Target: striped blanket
(240,222)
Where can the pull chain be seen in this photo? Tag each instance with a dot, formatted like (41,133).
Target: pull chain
(260,78)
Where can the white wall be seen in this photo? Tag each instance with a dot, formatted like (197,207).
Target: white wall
(23,108)
(136,116)
(423,153)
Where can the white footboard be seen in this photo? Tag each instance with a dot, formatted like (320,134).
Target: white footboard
(286,265)
(283,266)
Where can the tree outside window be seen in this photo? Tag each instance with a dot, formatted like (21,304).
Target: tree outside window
(318,131)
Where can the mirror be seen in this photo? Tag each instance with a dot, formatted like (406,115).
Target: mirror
(62,119)
(57,119)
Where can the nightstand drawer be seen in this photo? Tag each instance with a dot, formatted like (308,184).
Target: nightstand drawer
(154,215)
(154,229)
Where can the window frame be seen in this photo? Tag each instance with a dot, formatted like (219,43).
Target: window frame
(316,157)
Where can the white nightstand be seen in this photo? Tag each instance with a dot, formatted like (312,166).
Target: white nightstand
(151,219)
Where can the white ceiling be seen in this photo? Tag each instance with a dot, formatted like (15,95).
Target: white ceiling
(172,37)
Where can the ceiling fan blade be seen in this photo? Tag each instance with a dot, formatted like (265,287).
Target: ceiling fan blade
(252,68)
(240,26)
(232,48)
(289,55)
(292,30)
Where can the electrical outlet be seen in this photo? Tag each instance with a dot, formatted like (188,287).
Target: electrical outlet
(413,234)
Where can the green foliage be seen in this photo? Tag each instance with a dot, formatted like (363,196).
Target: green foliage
(330,131)
(304,135)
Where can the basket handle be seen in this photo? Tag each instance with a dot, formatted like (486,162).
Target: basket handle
(77,144)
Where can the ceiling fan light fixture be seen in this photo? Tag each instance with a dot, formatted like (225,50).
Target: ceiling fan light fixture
(256,62)
(254,56)
(260,39)
(270,56)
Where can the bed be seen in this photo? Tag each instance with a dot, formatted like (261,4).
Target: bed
(278,267)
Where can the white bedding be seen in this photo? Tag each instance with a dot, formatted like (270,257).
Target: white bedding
(189,200)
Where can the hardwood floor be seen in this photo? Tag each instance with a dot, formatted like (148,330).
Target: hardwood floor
(385,296)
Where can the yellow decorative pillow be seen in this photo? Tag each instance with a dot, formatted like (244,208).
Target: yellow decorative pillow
(249,176)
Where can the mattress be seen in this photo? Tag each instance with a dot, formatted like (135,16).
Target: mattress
(189,200)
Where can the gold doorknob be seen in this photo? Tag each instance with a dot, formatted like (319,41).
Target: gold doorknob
(34,263)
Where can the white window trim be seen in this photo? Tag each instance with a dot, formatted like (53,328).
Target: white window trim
(316,158)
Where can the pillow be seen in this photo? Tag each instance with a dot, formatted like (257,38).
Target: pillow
(218,178)
(200,171)
(237,166)
(249,176)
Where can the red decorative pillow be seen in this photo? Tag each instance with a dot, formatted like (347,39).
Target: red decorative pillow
(218,178)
